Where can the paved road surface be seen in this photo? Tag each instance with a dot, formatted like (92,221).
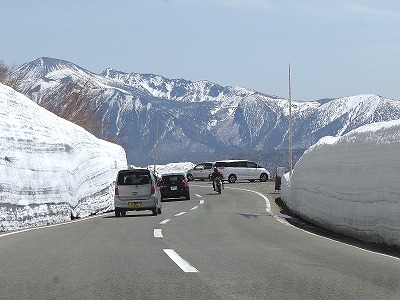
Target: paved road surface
(212,247)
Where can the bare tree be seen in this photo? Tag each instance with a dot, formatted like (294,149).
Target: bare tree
(79,101)
(10,76)
(76,101)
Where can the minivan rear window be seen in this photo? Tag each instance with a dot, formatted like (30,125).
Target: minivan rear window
(134,178)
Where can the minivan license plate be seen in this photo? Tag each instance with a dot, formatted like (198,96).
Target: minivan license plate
(134,204)
(174,188)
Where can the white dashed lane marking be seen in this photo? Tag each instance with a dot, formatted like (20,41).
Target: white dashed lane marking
(180,214)
(183,264)
(158,233)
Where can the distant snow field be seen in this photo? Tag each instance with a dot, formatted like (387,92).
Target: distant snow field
(350,184)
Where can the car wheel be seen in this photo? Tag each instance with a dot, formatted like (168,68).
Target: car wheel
(263,177)
(159,210)
(123,213)
(190,177)
(155,211)
(232,178)
(117,212)
(187,196)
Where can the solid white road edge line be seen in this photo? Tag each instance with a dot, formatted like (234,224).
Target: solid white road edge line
(158,233)
(165,221)
(267,203)
(183,264)
(53,225)
(285,222)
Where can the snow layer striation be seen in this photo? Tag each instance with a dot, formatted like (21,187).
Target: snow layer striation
(50,169)
(349,184)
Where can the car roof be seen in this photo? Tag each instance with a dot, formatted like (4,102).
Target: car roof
(135,170)
(231,160)
(173,174)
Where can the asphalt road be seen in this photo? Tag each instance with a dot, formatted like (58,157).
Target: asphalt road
(226,246)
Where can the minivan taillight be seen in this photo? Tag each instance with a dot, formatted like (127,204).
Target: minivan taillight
(185,182)
(153,189)
(116,191)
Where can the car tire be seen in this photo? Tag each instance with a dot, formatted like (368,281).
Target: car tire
(155,211)
(187,196)
(232,178)
(159,210)
(263,177)
(190,177)
(123,213)
(117,212)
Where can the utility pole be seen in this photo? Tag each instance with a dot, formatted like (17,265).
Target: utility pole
(155,148)
(290,128)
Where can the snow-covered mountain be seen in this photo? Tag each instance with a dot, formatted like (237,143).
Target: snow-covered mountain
(202,120)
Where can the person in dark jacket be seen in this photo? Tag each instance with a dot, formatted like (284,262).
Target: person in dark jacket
(215,174)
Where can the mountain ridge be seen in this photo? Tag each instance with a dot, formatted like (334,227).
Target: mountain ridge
(202,120)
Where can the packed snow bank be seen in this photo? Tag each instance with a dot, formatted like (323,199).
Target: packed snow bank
(172,167)
(50,169)
(350,184)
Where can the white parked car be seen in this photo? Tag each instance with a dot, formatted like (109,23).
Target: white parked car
(241,170)
(201,171)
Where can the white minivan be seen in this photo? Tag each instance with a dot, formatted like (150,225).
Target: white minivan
(233,170)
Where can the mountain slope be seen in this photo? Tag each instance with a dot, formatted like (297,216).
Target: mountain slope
(202,120)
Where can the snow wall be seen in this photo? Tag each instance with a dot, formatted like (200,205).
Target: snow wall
(351,184)
(51,170)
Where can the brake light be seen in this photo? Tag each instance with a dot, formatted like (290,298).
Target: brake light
(116,191)
(153,189)
(185,182)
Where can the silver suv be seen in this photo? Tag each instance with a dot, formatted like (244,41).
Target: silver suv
(201,171)
(136,189)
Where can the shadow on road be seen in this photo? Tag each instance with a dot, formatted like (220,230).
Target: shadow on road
(310,227)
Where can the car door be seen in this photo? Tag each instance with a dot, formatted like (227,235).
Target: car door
(240,169)
(198,171)
(207,170)
(252,171)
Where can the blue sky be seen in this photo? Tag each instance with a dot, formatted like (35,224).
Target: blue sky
(335,48)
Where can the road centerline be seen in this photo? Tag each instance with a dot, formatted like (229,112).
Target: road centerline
(180,214)
(158,233)
(183,264)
